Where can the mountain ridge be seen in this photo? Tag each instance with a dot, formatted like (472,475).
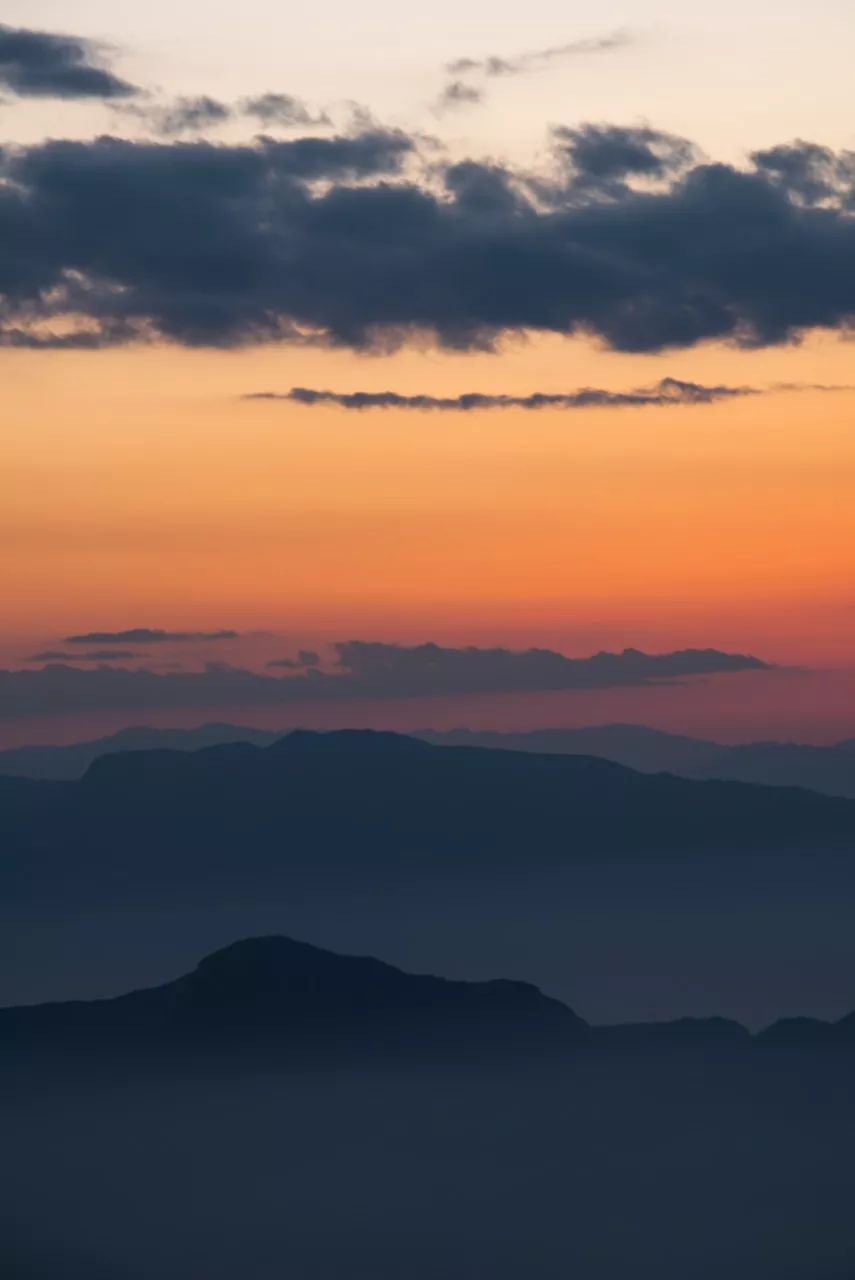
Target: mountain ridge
(267,989)
(829,770)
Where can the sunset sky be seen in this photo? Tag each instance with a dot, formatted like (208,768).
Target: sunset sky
(142,487)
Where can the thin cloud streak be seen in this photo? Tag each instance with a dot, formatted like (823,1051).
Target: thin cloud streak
(535,59)
(667,393)
(149,635)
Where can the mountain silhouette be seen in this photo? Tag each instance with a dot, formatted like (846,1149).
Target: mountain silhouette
(285,1110)
(275,992)
(829,770)
(362,800)
(67,763)
(365,824)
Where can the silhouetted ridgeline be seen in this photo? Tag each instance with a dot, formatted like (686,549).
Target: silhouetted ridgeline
(363,803)
(569,870)
(829,770)
(281,1111)
(274,995)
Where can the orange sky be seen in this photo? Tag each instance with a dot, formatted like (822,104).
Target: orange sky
(138,489)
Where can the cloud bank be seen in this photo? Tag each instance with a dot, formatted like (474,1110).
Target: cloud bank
(362,670)
(43,64)
(352,240)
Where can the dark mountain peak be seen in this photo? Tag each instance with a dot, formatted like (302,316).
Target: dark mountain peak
(159,764)
(287,972)
(279,964)
(281,992)
(797,1032)
(805,1032)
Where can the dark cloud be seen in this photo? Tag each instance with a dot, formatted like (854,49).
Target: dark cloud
(95,655)
(808,172)
(457,94)
(538,58)
(324,240)
(46,65)
(669,391)
(149,635)
(189,115)
(401,671)
(362,670)
(282,109)
(605,155)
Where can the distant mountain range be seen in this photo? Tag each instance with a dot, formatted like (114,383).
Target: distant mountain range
(363,803)
(829,770)
(277,995)
(707,895)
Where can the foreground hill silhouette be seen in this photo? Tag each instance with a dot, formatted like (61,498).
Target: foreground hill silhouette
(281,1110)
(274,993)
(277,993)
(829,770)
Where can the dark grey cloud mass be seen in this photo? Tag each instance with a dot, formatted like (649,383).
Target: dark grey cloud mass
(668,391)
(603,156)
(361,670)
(538,58)
(44,64)
(343,240)
(149,635)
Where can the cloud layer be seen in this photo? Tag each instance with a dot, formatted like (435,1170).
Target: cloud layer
(361,670)
(353,240)
(42,64)
(149,635)
(668,391)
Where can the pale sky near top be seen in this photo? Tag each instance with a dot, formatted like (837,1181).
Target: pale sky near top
(733,75)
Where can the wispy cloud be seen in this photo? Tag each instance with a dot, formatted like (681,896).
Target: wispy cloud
(282,109)
(536,59)
(667,392)
(458,94)
(149,635)
(94,655)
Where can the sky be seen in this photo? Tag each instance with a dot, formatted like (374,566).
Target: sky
(625,200)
